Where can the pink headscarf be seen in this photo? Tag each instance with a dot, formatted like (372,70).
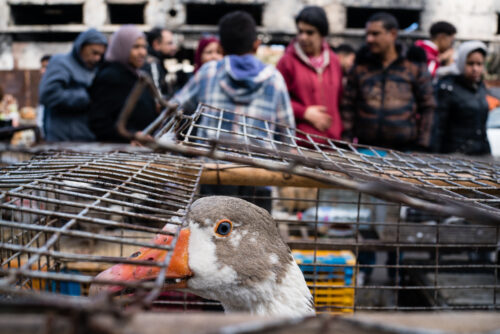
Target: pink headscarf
(204,42)
(121,43)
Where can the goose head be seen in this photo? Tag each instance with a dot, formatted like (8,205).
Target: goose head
(231,251)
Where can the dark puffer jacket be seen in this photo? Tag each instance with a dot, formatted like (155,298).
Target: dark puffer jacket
(109,91)
(391,107)
(462,111)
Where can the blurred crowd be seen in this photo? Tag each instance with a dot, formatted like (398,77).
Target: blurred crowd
(427,97)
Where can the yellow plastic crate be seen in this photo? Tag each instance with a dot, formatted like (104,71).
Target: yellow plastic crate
(330,277)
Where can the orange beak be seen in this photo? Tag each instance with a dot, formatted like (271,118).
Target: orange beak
(177,268)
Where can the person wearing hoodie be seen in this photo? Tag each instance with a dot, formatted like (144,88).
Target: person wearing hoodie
(239,82)
(462,104)
(313,75)
(389,100)
(114,82)
(63,88)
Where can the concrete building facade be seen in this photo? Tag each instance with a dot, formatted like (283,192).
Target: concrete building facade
(31,28)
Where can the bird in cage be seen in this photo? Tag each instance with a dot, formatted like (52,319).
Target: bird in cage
(230,251)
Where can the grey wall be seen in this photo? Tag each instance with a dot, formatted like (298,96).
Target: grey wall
(473,20)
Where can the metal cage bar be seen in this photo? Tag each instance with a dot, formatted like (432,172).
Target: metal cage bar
(388,230)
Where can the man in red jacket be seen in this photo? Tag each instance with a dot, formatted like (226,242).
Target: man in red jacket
(313,76)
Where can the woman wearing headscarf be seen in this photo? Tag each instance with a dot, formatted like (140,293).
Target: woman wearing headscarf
(209,49)
(113,83)
(462,104)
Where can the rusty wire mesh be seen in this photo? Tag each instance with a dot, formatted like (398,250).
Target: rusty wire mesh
(378,230)
(358,252)
(226,135)
(66,216)
(431,243)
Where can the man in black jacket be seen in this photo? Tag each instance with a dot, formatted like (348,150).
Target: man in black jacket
(161,46)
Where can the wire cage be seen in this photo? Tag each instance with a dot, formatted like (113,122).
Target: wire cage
(371,228)
(57,207)
(379,229)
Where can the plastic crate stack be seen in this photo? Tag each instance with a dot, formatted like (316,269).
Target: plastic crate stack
(330,277)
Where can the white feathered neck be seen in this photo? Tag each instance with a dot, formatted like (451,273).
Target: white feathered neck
(290,297)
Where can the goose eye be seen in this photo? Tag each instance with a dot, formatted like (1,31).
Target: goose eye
(223,228)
